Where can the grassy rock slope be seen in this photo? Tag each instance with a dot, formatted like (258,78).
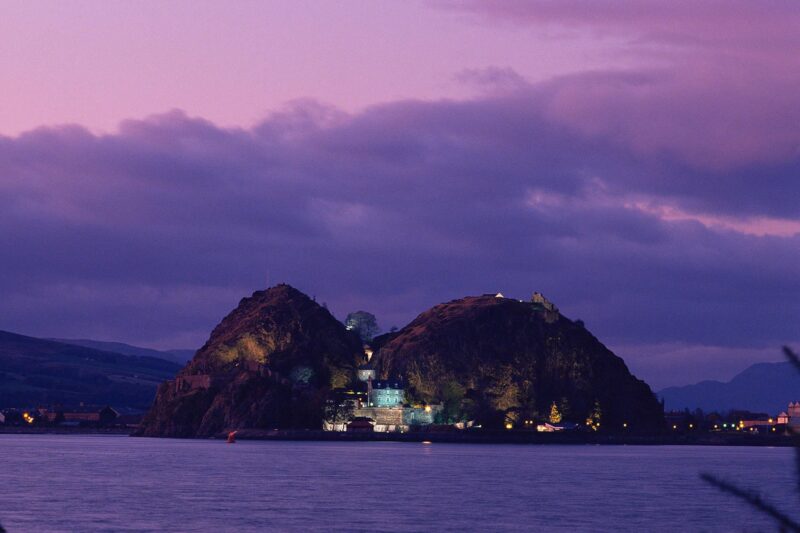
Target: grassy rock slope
(268,364)
(501,360)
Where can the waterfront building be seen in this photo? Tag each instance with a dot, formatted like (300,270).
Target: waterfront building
(383,407)
(793,416)
(81,415)
(386,393)
(793,411)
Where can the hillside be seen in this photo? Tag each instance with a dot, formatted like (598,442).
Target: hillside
(43,372)
(510,360)
(268,364)
(763,387)
(180,357)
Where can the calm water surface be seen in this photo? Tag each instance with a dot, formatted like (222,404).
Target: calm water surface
(115,483)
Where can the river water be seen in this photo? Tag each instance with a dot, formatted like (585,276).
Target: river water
(117,483)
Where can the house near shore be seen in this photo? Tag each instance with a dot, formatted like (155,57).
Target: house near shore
(547,427)
(81,415)
(386,393)
(386,406)
(361,424)
(793,414)
(786,420)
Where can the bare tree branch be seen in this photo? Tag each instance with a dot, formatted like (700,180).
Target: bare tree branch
(754,500)
(797,462)
(792,357)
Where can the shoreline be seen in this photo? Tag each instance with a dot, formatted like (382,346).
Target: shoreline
(22,430)
(531,438)
(460,437)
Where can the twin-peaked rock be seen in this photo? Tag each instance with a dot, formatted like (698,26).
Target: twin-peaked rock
(272,361)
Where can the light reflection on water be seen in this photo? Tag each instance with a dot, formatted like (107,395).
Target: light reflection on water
(113,483)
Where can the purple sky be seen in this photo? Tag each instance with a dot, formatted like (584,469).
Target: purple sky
(639,165)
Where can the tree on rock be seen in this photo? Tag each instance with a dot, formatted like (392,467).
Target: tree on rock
(452,399)
(338,410)
(593,420)
(363,323)
(564,408)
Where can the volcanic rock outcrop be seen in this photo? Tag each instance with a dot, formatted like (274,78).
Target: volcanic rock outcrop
(274,360)
(268,364)
(504,360)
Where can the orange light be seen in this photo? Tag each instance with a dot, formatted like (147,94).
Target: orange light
(509,425)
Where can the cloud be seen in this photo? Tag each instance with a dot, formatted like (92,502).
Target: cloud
(658,205)
(714,82)
(493,79)
(709,118)
(716,24)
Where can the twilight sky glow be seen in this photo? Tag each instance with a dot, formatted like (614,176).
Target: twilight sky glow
(636,162)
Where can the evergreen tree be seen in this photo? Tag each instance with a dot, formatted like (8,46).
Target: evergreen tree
(555,414)
(452,398)
(593,421)
(338,410)
(564,407)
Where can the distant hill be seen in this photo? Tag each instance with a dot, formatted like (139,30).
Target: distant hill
(180,357)
(44,372)
(763,387)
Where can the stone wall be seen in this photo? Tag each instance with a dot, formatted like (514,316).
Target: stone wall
(382,415)
(420,416)
(193,381)
(550,311)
